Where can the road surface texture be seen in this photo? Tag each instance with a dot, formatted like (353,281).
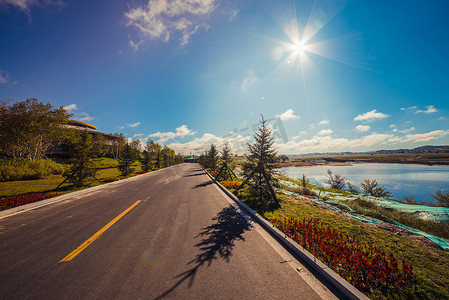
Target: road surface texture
(183,240)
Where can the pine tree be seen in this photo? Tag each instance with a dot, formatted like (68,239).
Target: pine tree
(225,167)
(212,157)
(81,148)
(259,172)
(126,160)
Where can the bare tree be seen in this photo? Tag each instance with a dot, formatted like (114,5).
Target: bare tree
(335,181)
(372,188)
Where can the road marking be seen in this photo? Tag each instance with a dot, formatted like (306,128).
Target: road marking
(169,178)
(97,235)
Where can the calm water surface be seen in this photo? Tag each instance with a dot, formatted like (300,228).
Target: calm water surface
(401,179)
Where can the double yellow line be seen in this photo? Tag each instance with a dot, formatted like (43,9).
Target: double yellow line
(97,235)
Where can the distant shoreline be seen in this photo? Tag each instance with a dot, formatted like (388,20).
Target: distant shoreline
(351,162)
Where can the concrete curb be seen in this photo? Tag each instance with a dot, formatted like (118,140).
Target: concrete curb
(343,286)
(30,206)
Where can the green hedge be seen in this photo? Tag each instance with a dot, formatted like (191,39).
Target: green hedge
(24,169)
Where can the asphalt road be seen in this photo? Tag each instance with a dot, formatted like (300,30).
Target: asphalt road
(184,240)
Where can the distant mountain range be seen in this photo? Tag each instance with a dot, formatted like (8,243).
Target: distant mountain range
(418,150)
(422,149)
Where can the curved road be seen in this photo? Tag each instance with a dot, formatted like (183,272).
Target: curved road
(183,240)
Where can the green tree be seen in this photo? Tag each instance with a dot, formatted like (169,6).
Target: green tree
(156,150)
(212,158)
(117,146)
(225,171)
(372,188)
(441,198)
(146,160)
(179,159)
(127,158)
(100,145)
(29,128)
(168,156)
(80,147)
(259,172)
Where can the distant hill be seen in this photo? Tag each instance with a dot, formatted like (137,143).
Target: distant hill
(422,149)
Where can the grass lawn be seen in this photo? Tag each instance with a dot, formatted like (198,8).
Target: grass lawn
(430,264)
(10,188)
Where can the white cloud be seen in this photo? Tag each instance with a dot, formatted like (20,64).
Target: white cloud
(137,135)
(233,15)
(80,116)
(323,122)
(302,132)
(288,115)
(325,143)
(371,115)
(133,125)
(362,128)
(408,108)
(181,131)
(4,76)
(162,19)
(311,126)
(392,125)
(135,46)
(26,5)
(83,117)
(326,132)
(70,107)
(430,109)
(249,80)
(199,145)
(425,137)
(407,130)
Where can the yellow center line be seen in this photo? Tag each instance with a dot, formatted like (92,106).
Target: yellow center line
(169,178)
(97,235)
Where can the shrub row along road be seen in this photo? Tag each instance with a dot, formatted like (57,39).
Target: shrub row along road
(166,234)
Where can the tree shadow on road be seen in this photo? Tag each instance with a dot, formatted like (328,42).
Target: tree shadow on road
(217,241)
(196,174)
(203,184)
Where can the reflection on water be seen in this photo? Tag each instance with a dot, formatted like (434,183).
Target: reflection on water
(402,179)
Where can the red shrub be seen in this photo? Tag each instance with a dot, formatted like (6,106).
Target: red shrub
(230,184)
(212,173)
(13,201)
(141,172)
(362,264)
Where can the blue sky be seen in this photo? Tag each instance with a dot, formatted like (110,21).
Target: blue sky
(328,75)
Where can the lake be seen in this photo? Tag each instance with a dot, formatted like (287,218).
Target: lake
(401,179)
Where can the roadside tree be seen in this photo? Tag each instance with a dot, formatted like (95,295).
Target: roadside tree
(258,172)
(80,147)
(127,158)
(29,128)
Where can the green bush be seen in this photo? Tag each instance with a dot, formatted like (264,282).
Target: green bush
(24,169)
(104,163)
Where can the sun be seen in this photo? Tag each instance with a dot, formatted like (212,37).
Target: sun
(299,48)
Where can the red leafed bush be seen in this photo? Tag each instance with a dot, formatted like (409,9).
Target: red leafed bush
(13,201)
(212,173)
(362,264)
(141,172)
(230,184)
